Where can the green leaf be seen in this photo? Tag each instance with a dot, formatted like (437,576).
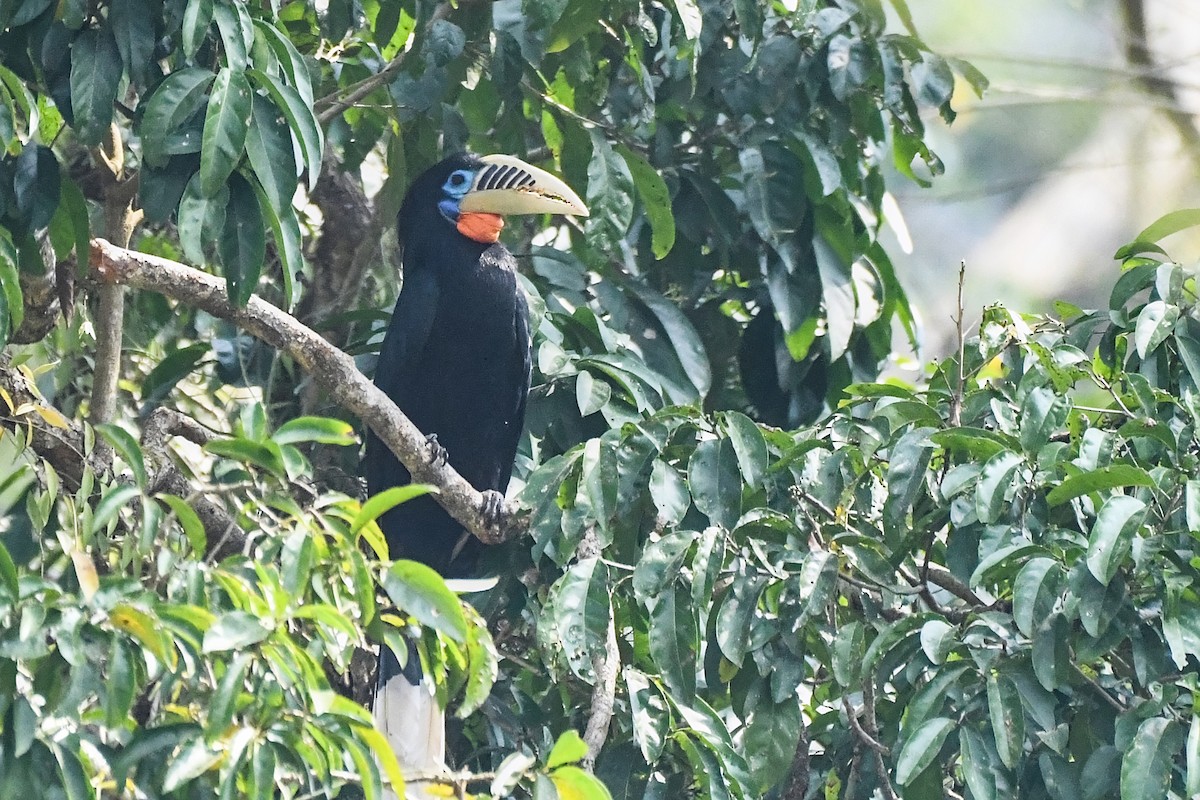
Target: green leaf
(659,564)
(1007,719)
(716,482)
(176,100)
(568,749)
(674,642)
(112,502)
(848,648)
(921,748)
(194,760)
(236,32)
(8,572)
(226,122)
(243,246)
(978,443)
(591,395)
(656,201)
(574,782)
(235,630)
(581,608)
(132,22)
(1112,535)
(1052,652)
(648,714)
(378,504)
(736,615)
(1148,761)
(1098,480)
(300,118)
(609,192)
(997,478)
(770,741)
(1174,222)
(1035,593)
(197,18)
(95,76)
(10,282)
(325,430)
(421,592)
(908,462)
(37,185)
(980,765)
(1042,415)
(128,448)
(669,493)
(290,60)
(285,227)
(749,446)
(938,638)
(269,149)
(690,16)
(265,455)
(193,528)
(1155,323)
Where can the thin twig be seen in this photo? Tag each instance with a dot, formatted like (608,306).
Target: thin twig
(956,399)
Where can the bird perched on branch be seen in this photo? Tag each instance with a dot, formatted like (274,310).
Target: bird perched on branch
(456,360)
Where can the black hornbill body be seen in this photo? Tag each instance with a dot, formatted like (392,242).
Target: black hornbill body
(456,360)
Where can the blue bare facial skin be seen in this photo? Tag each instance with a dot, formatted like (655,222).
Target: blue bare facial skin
(455,188)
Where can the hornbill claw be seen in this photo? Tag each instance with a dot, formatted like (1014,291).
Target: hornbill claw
(492,509)
(437,454)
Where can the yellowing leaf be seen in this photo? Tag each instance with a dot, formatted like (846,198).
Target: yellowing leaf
(85,571)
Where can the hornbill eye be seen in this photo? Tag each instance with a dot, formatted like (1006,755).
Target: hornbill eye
(457,179)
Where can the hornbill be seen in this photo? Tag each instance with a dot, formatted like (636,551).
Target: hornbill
(456,360)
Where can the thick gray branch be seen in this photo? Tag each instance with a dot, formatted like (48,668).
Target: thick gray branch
(328,366)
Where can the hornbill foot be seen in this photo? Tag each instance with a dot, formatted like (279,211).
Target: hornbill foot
(438,456)
(492,509)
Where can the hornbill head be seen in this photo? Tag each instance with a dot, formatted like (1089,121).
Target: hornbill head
(474,191)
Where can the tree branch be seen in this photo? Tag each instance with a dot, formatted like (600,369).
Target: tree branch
(328,366)
(606,667)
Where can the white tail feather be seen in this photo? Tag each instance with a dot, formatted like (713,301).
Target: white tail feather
(415,726)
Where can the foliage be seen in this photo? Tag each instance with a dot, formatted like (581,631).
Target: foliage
(760,584)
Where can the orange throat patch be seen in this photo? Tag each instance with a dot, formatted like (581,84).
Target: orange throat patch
(480,226)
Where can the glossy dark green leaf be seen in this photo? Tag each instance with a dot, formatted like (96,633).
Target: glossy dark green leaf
(132,24)
(716,481)
(749,446)
(659,564)
(300,119)
(226,122)
(285,228)
(1007,717)
(1042,415)
(420,591)
(1035,593)
(13,307)
(95,75)
(1155,323)
(736,614)
(197,18)
(610,192)
(269,149)
(1112,535)
(847,656)
(1052,653)
(907,463)
(242,245)
(674,642)
(648,713)
(996,480)
(921,748)
(979,762)
(656,200)
(236,32)
(1099,480)
(581,607)
(37,185)
(177,99)
(196,758)
(1148,760)
(770,741)
(224,700)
